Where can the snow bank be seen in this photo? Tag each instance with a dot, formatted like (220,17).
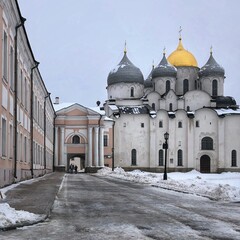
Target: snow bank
(9,216)
(224,186)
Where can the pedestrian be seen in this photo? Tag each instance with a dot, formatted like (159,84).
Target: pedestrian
(76,167)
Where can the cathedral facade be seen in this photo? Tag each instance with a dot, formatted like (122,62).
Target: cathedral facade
(180,99)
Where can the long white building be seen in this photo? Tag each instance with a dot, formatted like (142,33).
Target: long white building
(181,99)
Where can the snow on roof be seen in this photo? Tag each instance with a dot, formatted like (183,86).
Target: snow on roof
(229,111)
(60,106)
(113,107)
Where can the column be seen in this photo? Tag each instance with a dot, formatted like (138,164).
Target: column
(89,162)
(96,164)
(101,148)
(62,146)
(56,147)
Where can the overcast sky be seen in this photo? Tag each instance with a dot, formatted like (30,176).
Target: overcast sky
(78,42)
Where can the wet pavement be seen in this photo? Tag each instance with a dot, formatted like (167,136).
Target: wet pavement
(91,207)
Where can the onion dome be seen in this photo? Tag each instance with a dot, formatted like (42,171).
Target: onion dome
(164,69)
(125,72)
(211,68)
(148,82)
(181,57)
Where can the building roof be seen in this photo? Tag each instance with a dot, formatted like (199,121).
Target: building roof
(125,72)
(211,68)
(181,57)
(164,69)
(148,82)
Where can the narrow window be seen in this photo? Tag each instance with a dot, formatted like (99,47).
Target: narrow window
(234,158)
(214,88)
(25,149)
(132,92)
(188,108)
(105,140)
(207,143)
(142,125)
(196,85)
(11,68)
(170,107)
(167,86)
(26,93)
(180,157)
(5,55)
(4,137)
(179,124)
(134,157)
(160,124)
(76,139)
(11,141)
(160,157)
(153,106)
(197,123)
(185,86)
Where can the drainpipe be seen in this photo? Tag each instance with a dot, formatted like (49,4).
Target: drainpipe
(54,141)
(31,117)
(113,146)
(44,130)
(15,123)
(99,124)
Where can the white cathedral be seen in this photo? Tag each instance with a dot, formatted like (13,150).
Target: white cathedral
(180,99)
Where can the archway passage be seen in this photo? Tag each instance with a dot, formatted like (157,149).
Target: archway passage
(76,159)
(205,164)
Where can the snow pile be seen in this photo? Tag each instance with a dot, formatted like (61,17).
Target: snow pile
(224,186)
(9,216)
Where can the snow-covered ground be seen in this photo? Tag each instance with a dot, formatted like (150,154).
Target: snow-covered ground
(10,216)
(224,186)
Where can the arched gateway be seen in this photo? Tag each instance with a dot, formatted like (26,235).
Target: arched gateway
(205,164)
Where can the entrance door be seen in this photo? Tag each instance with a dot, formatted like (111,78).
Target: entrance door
(205,164)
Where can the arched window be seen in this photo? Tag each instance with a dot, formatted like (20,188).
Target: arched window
(179,124)
(207,143)
(153,106)
(76,139)
(160,124)
(160,157)
(214,88)
(185,86)
(167,86)
(188,108)
(170,107)
(234,158)
(134,157)
(132,91)
(196,84)
(180,157)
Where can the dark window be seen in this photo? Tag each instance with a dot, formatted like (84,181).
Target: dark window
(132,92)
(170,107)
(76,139)
(188,108)
(197,123)
(160,157)
(234,158)
(5,53)
(214,88)
(134,157)
(207,143)
(180,157)
(105,140)
(167,86)
(185,86)
(160,124)
(142,125)
(153,106)
(179,124)
(196,84)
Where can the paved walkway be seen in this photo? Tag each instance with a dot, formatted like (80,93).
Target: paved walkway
(37,196)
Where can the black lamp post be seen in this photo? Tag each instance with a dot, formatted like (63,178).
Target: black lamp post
(165,146)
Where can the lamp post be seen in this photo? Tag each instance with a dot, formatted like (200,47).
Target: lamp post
(165,146)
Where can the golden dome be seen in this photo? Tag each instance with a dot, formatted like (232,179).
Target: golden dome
(181,57)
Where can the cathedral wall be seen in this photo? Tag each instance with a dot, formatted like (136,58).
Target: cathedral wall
(196,99)
(189,73)
(123,90)
(206,84)
(129,134)
(160,84)
(154,97)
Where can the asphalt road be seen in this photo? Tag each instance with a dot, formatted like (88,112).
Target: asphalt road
(91,207)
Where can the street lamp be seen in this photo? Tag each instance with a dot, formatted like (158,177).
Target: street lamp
(165,146)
